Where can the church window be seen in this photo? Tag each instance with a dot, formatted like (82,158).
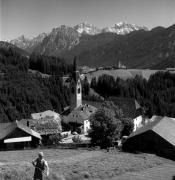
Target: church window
(78,90)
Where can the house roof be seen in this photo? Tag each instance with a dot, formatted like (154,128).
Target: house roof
(164,127)
(44,126)
(129,106)
(48,113)
(7,128)
(80,114)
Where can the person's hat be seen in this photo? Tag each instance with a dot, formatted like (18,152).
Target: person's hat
(40,154)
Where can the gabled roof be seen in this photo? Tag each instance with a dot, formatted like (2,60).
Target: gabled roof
(164,127)
(7,128)
(129,106)
(80,114)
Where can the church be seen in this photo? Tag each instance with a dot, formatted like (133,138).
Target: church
(79,113)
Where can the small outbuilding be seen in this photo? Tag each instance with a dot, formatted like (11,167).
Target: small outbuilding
(156,137)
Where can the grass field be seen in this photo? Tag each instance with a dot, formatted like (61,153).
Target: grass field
(77,164)
(124,73)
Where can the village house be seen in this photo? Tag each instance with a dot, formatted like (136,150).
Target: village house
(15,135)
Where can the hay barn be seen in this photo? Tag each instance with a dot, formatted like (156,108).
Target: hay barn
(156,137)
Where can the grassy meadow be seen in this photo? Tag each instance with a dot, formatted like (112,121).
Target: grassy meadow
(75,164)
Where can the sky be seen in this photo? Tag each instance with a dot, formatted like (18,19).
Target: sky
(32,17)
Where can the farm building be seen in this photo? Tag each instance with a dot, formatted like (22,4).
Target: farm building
(79,117)
(15,135)
(46,123)
(156,137)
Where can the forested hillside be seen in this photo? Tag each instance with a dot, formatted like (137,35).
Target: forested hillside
(157,95)
(23,93)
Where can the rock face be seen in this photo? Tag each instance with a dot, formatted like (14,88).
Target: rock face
(60,39)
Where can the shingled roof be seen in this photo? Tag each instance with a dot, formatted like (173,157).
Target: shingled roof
(46,123)
(129,106)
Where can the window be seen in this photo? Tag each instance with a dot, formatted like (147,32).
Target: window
(78,90)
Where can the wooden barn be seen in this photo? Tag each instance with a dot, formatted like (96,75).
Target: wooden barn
(15,135)
(156,137)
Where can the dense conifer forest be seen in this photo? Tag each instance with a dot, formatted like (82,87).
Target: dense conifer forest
(157,95)
(23,93)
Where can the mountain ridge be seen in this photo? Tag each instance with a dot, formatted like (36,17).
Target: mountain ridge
(29,44)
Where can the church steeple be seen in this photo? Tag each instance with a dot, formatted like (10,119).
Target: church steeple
(75,88)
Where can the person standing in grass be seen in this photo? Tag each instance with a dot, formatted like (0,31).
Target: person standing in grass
(41,167)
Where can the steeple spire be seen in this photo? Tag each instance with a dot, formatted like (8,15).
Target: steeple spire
(75,64)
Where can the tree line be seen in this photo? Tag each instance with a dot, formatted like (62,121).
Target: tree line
(156,95)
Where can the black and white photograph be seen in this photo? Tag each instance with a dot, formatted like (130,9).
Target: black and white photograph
(87,89)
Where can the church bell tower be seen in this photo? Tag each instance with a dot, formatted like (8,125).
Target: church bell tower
(75,88)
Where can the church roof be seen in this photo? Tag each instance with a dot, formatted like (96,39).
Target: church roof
(80,114)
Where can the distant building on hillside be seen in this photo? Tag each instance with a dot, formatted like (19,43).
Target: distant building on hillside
(121,66)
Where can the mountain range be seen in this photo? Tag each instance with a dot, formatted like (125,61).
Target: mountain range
(65,38)
(132,45)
